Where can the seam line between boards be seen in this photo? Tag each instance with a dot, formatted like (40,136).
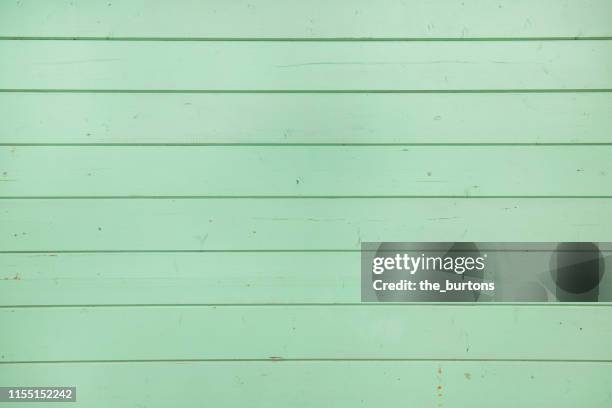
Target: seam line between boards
(319,304)
(303,91)
(313,360)
(303,39)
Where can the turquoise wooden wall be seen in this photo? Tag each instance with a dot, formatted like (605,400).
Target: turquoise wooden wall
(184,187)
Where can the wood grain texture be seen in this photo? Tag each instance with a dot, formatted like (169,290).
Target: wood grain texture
(289,171)
(186,285)
(304,224)
(307,332)
(307,66)
(315,384)
(305,118)
(191,278)
(313,19)
(179,278)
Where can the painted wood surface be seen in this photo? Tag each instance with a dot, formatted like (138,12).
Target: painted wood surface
(279,332)
(305,66)
(230,171)
(292,223)
(316,383)
(320,19)
(185,186)
(199,277)
(305,118)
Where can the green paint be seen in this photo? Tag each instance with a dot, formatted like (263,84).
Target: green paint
(184,188)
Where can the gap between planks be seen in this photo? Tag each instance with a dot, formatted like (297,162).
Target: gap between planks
(308,360)
(303,39)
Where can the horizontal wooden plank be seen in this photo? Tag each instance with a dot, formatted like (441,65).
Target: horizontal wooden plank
(202,278)
(306,332)
(272,224)
(263,66)
(306,118)
(179,278)
(306,171)
(316,384)
(318,19)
